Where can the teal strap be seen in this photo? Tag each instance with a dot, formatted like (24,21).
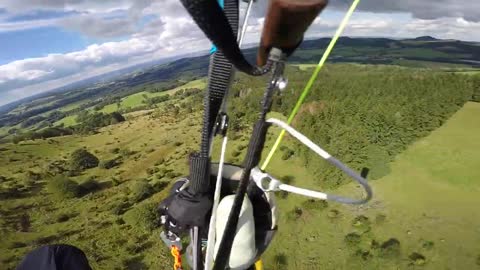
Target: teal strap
(214,48)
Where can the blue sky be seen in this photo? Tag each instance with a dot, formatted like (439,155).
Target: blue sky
(49,43)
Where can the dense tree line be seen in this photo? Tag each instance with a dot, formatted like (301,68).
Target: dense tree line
(88,122)
(42,134)
(363,115)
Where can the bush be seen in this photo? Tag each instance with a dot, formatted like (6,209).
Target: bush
(17,245)
(144,217)
(126,152)
(295,214)
(81,160)
(159,162)
(152,170)
(428,245)
(313,204)
(236,153)
(362,223)
(280,261)
(63,187)
(89,185)
(287,154)
(240,147)
(63,217)
(390,248)
(115,181)
(159,185)
(108,164)
(287,179)
(33,176)
(141,190)
(120,208)
(334,213)
(352,239)
(417,259)
(177,143)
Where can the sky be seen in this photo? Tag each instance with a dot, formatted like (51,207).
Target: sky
(51,43)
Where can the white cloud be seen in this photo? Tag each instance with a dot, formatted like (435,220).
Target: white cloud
(170,32)
(24,25)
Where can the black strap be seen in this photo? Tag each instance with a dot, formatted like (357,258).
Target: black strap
(219,76)
(212,21)
(255,147)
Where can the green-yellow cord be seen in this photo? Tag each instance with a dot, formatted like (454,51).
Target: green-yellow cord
(314,76)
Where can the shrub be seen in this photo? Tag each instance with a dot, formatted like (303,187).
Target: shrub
(428,245)
(352,239)
(115,181)
(159,162)
(144,217)
(417,259)
(240,147)
(364,254)
(120,208)
(280,261)
(390,248)
(90,185)
(362,223)
(63,217)
(27,182)
(334,213)
(177,143)
(108,164)
(126,152)
(17,245)
(159,185)
(313,204)
(287,154)
(81,160)
(288,179)
(282,194)
(152,170)
(33,176)
(63,187)
(236,153)
(295,214)
(141,190)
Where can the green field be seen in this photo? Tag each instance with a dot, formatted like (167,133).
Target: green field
(137,99)
(431,195)
(67,121)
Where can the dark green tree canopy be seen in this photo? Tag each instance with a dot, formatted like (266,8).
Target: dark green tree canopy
(81,160)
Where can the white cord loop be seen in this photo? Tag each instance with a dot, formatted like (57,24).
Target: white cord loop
(268,183)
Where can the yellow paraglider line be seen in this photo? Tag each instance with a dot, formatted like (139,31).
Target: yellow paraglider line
(314,76)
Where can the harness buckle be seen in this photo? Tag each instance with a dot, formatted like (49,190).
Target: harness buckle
(221,124)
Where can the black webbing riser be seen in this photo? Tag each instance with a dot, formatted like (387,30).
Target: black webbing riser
(209,17)
(219,74)
(252,159)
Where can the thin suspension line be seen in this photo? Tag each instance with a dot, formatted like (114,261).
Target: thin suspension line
(312,79)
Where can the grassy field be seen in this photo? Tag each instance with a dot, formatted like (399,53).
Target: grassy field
(92,225)
(67,121)
(429,202)
(136,99)
(130,101)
